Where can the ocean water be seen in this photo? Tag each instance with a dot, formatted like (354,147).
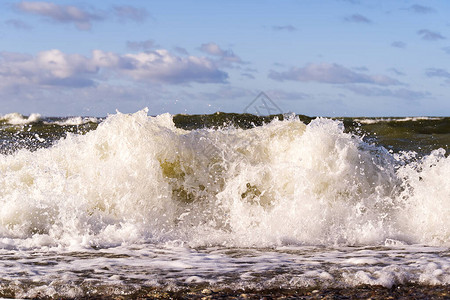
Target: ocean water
(109,206)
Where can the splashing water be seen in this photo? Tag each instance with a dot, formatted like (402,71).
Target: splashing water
(139,178)
(138,182)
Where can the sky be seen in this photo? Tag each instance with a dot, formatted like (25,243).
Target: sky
(318,58)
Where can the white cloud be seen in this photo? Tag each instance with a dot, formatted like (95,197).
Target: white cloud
(213,49)
(248,75)
(60,13)
(60,65)
(289,28)
(81,17)
(398,44)
(420,9)
(102,81)
(437,72)
(330,73)
(54,68)
(226,56)
(18,24)
(127,12)
(160,66)
(429,35)
(181,50)
(48,68)
(141,45)
(396,72)
(357,18)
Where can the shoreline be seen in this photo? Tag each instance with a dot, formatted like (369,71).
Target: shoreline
(412,291)
(408,291)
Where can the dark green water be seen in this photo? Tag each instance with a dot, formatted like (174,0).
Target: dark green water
(421,135)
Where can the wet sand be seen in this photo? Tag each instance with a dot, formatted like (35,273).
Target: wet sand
(360,292)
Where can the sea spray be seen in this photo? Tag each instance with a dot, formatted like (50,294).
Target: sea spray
(426,199)
(139,179)
(136,206)
(18,119)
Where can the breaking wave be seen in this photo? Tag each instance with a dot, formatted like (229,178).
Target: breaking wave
(139,179)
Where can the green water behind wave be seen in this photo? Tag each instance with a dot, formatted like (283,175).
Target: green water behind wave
(421,135)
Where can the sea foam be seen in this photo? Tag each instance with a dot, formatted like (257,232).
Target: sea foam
(18,119)
(139,179)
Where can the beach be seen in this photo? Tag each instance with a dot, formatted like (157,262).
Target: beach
(224,205)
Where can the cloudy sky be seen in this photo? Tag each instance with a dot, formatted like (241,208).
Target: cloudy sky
(319,58)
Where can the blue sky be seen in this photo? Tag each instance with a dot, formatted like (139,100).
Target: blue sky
(319,58)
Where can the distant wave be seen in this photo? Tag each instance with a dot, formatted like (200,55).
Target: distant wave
(74,121)
(18,119)
(400,119)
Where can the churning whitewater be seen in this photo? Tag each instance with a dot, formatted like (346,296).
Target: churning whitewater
(138,179)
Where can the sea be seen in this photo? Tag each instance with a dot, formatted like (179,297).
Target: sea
(133,203)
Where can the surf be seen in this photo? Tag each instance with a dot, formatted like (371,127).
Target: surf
(138,179)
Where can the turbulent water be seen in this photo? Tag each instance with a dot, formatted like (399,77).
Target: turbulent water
(111,205)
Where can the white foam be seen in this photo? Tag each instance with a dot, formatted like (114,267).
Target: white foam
(18,119)
(405,119)
(165,208)
(426,204)
(127,267)
(139,179)
(73,121)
